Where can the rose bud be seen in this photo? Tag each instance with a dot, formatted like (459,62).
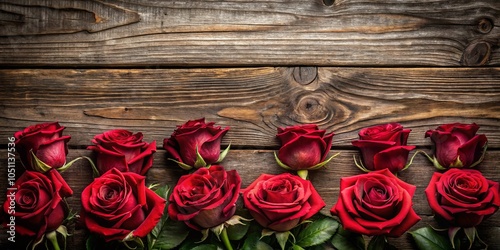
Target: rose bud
(462,197)
(281,202)
(118,206)
(376,203)
(123,150)
(383,146)
(457,145)
(39,203)
(196,144)
(206,198)
(303,147)
(42,147)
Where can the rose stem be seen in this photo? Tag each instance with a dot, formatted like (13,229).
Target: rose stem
(225,240)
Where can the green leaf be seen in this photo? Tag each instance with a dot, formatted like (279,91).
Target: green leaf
(428,239)
(347,240)
(205,247)
(172,234)
(237,231)
(297,247)
(317,232)
(164,193)
(252,242)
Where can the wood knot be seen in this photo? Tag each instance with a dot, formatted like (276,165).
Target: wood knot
(328,2)
(311,109)
(305,75)
(476,54)
(485,25)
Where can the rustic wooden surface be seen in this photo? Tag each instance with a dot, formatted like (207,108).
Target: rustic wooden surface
(235,32)
(151,65)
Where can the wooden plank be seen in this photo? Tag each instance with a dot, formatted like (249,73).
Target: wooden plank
(155,33)
(252,101)
(251,163)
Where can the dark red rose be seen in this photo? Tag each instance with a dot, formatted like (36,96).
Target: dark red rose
(118,205)
(38,203)
(205,198)
(195,136)
(123,150)
(462,197)
(46,142)
(384,146)
(303,146)
(281,202)
(457,145)
(376,203)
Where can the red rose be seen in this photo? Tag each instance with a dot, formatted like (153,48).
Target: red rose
(46,142)
(384,146)
(192,138)
(457,145)
(462,197)
(118,205)
(123,150)
(376,203)
(205,198)
(37,204)
(281,202)
(303,146)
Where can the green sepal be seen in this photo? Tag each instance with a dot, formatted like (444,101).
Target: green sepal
(480,158)
(379,242)
(95,172)
(360,165)
(282,238)
(452,232)
(223,154)
(470,232)
(323,163)
(281,164)
(52,238)
(457,164)
(303,173)
(200,162)
(181,164)
(433,159)
(130,238)
(38,164)
(410,162)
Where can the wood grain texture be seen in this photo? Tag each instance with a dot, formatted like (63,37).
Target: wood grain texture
(251,163)
(253,102)
(233,33)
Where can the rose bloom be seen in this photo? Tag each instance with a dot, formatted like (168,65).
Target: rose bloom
(39,203)
(384,146)
(376,203)
(117,204)
(45,141)
(192,136)
(281,202)
(206,198)
(123,150)
(462,197)
(457,145)
(303,146)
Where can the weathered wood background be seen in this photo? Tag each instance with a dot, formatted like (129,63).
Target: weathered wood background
(149,65)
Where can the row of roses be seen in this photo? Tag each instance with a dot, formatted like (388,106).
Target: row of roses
(376,203)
